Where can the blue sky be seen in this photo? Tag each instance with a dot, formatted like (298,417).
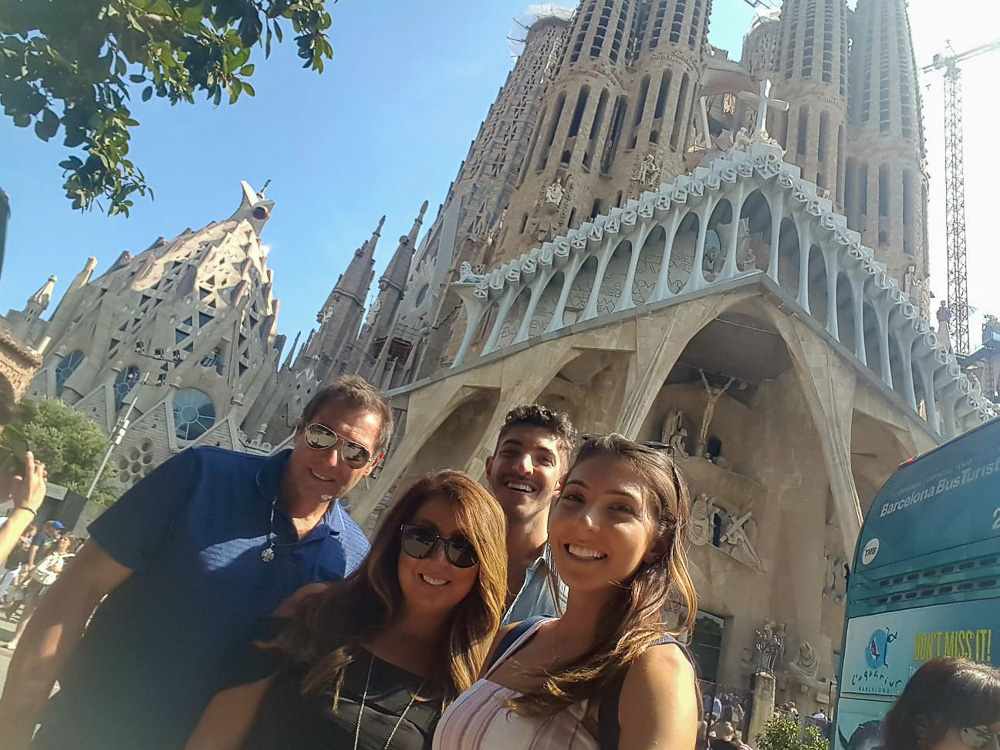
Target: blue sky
(384,128)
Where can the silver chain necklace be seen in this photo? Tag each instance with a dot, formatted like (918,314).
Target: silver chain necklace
(364,698)
(267,554)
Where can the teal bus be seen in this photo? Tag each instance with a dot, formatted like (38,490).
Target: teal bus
(925,580)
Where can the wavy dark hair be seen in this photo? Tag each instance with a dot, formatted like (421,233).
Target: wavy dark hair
(632,619)
(943,694)
(328,628)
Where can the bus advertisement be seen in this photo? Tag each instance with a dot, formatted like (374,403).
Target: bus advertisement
(925,581)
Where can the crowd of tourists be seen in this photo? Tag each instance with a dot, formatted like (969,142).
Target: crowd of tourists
(229,600)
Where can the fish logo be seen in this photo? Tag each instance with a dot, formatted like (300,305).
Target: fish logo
(877,654)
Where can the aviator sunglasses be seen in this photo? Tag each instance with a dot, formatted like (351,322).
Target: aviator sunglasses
(420,543)
(320,437)
(979,738)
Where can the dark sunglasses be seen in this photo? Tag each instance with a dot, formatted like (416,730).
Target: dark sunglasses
(320,437)
(979,737)
(420,543)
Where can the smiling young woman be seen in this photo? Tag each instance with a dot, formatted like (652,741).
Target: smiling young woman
(370,661)
(607,674)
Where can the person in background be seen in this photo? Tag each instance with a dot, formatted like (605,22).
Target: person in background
(180,569)
(42,577)
(948,704)
(606,673)
(369,662)
(525,474)
(44,541)
(17,559)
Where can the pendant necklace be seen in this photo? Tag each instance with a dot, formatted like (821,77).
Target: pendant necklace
(267,554)
(364,698)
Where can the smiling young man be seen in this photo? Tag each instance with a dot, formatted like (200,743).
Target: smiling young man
(525,474)
(190,559)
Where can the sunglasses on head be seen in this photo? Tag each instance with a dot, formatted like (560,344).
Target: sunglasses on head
(420,543)
(319,437)
(979,738)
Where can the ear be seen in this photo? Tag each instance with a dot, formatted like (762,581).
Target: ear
(489,466)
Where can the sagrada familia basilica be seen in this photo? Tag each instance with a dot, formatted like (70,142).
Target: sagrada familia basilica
(729,257)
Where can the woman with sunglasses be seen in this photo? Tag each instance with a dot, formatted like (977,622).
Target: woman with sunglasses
(606,674)
(370,661)
(948,704)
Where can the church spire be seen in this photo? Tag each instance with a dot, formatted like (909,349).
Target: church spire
(398,269)
(39,301)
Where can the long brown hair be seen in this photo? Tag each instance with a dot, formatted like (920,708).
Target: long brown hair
(943,694)
(328,628)
(632,618)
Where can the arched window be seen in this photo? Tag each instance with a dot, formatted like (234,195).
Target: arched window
(66,368)
(124,382)
(194,413)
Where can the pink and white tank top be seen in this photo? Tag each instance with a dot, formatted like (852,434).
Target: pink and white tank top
(480,720)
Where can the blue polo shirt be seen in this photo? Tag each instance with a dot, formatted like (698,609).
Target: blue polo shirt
(157,647)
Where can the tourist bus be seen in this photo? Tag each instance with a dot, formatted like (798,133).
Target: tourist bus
(925,580)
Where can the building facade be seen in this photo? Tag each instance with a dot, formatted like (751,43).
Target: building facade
(631,240)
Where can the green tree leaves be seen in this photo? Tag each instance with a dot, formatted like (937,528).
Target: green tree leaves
(73,65)
(70,444)
(784,733)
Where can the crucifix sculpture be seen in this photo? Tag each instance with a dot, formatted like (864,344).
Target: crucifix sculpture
(761,102)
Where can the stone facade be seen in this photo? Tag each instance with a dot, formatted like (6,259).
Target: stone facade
(733,314)
(186,329)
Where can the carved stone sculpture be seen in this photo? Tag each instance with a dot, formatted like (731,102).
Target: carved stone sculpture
(714,394)
(769,646)
(805,666)
(675,433)
(835,584)
(738,535)
(703,512)
(554,194)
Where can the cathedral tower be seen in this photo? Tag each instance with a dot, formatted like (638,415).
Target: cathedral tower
(812,76)
(616,119)
(886,186)
(377,347)
(340,318)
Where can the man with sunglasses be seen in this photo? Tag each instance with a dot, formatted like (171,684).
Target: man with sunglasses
(525,474)
(190,560)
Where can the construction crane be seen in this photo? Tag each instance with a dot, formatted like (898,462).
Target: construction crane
(954,182)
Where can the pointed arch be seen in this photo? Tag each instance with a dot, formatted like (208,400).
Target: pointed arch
(612,282)
(720,227)
(547,302)
(756,213)
(648,268)
(683,254)
(580,289)
(817,284)
(512,323)
(846,325)
(872,341)
(788,257)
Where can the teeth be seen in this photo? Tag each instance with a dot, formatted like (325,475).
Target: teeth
(433,581)
(520,487)
(578,551)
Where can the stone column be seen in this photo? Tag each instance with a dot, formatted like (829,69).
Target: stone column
(763,705)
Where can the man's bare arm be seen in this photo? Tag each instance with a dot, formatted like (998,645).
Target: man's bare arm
(52,636)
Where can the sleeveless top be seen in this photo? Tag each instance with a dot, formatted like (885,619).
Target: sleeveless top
(287,718)
(479,719)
